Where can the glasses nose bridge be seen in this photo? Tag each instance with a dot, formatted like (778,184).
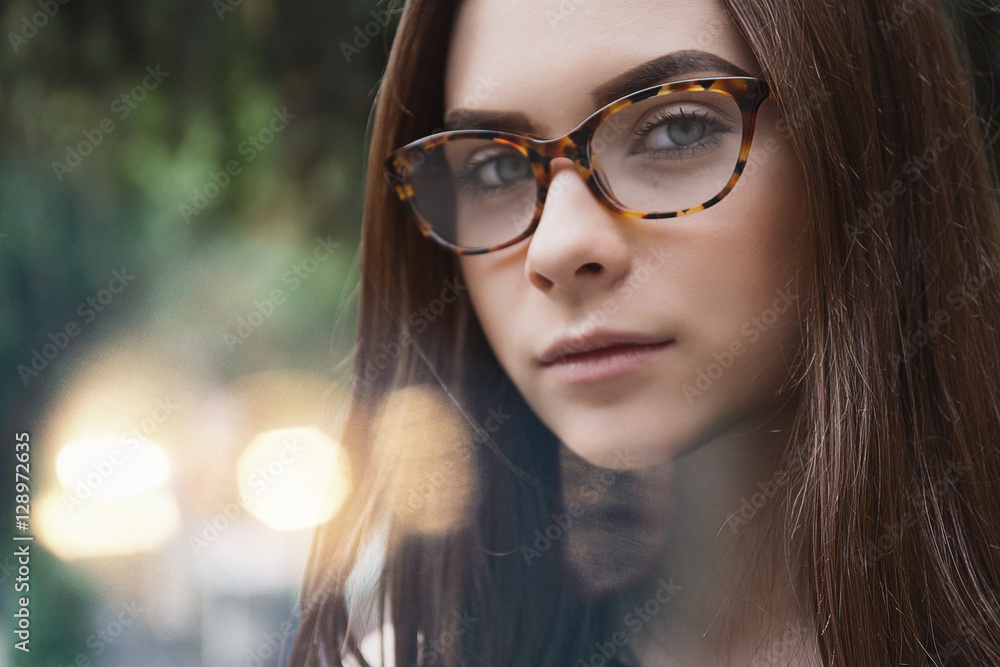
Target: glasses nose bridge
(573,146)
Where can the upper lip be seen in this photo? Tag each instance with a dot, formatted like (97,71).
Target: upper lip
(568,345)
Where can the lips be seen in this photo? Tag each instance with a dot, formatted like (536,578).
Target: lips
(595,344)
(600,355)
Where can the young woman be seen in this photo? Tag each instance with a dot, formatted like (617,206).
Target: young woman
(679,344)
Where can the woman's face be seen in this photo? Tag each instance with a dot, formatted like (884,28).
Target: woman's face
(674,331)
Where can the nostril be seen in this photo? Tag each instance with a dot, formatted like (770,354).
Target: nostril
(592,267)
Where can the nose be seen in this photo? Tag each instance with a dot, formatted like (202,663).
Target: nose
(579,245)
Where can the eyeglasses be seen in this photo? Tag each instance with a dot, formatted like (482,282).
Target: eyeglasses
(661,152)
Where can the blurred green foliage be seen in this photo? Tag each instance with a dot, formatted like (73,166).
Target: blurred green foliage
(222,69)
(113,115)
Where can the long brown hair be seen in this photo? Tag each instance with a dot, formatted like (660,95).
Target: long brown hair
(896,505)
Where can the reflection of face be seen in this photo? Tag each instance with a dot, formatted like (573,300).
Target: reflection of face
(694,318)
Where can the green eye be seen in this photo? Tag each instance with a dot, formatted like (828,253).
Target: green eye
(504,170)
(686,131)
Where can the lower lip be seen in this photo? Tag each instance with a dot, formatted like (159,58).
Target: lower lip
(604,364)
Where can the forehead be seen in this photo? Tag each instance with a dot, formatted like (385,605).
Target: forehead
(546,58)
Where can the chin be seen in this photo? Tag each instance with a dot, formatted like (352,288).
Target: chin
(622,448)
(642,434)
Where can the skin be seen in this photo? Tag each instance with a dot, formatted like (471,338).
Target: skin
(717,276)
(723,279)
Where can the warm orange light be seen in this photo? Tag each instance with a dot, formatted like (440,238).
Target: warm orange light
(426,448)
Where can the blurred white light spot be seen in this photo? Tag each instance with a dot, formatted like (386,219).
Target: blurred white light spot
(91,528)
(111,467)
(293,478)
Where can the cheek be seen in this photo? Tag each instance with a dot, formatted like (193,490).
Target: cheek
(749,285)
(763,244)
(496,286)
(746,281)
(753,353)
(742,341)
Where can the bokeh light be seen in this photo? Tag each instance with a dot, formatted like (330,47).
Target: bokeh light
(74,529)
(293,478)
(426,449)
(111,467)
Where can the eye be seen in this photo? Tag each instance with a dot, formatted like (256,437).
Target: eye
(676,131)
(492,170)
(502,170)
(680,132)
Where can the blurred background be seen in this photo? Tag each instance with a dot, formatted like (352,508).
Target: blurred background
(180,201)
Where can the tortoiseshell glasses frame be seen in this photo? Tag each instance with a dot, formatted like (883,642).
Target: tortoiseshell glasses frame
(748,93)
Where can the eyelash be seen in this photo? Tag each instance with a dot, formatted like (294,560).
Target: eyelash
(466,178)
(662,117)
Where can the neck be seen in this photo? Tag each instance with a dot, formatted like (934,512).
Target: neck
(726,559)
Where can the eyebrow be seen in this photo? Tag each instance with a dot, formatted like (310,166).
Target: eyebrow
(648,74)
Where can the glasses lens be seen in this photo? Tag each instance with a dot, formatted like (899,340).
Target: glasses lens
(669,153)
(474,192)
